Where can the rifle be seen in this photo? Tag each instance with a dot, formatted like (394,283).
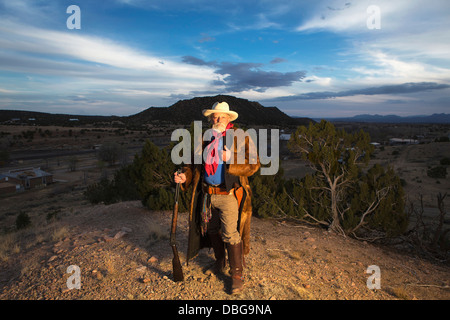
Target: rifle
(176,265)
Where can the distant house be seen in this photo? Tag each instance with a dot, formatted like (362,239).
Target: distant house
(6,186)
(20,179)
(398,141)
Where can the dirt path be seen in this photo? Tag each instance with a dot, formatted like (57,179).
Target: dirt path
(122,252)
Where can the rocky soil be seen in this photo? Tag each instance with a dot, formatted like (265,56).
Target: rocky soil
(123,252)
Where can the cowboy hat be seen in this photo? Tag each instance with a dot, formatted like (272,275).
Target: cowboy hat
(221,107)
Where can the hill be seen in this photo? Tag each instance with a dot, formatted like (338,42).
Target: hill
(182,112)
(434,118)
(48,119)
(186,111)
(123,252)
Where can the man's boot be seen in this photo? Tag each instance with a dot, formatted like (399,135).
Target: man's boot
(236,267)
(219,253)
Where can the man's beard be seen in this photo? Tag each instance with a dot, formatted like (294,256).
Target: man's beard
(220,127)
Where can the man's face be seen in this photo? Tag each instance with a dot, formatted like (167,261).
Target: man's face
(220,121)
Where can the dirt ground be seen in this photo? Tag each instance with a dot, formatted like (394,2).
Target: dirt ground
(123,252)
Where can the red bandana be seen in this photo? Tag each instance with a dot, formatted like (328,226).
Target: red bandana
(212,160)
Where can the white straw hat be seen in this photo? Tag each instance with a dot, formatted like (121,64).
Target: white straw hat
(221,107)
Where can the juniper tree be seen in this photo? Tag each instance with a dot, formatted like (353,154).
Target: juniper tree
(152,171)
(339,193)
(111,152)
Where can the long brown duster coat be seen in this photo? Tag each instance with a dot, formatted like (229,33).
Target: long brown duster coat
(244,170)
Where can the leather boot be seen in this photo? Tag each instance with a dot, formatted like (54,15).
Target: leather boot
(219,253)
(235,257)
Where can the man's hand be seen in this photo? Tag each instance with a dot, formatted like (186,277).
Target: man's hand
(179,178)
(225,154)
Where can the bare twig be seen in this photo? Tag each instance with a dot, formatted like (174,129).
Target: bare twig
(438,231)
(427,285)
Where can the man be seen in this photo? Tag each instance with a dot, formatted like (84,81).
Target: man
(220,209)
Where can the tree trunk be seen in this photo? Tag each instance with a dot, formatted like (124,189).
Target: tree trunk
(335,223)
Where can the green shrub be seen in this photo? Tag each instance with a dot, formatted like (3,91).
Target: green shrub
(22,221)
(339,195)
(149,179)
(445,161)
(437,172)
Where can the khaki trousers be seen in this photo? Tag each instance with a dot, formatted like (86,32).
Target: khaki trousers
(224,219)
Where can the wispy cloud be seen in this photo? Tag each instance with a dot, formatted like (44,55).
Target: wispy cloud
(30,40)
(278,60)
(352,16)
(406,88)
(81,63)
(381,67)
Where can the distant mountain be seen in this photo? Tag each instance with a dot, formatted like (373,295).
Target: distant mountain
(183,112)
(186,111)
(434,118)
(47,119)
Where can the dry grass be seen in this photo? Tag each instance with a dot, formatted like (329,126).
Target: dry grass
(297,255)
(156,232)
(400,293)
(59,233)
(110,266)
(303,293)
(8,245)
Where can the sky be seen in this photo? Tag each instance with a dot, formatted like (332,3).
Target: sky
(323,58)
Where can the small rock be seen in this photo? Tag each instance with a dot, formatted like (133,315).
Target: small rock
(141,269)
(52,258)
(145,280)
(119,234)
(153,259)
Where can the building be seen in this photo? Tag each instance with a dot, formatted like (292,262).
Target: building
(398,141)
(6,186)
(21,179)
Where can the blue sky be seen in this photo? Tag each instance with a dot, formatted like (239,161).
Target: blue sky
(309,58)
